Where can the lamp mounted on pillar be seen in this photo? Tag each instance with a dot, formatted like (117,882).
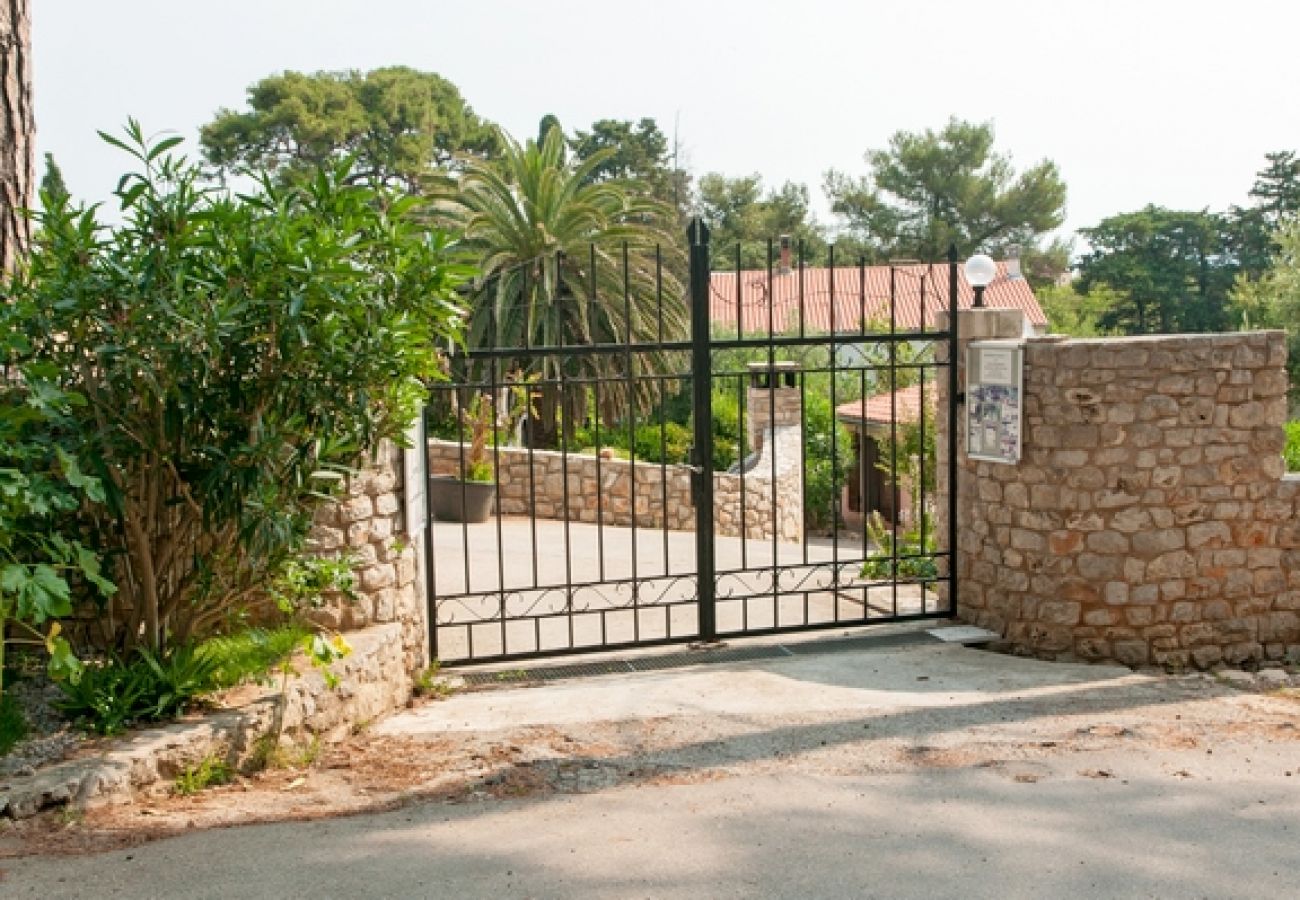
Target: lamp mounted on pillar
(980,270)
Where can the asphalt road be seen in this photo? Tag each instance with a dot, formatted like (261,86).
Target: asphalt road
(919,772)
(931,835)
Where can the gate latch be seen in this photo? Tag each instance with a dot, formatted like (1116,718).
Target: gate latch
(697,474)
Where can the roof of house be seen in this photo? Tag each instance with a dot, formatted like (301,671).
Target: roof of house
(920,292)
(879,409)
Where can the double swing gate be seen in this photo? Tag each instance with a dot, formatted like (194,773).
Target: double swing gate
(664,447)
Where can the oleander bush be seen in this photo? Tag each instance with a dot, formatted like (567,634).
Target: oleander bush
(232,356)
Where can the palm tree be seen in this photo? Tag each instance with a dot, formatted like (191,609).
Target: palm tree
(568,262)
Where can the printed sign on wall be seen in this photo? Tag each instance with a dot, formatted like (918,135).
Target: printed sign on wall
(994,400)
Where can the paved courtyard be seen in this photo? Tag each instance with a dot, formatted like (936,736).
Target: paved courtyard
(761,584)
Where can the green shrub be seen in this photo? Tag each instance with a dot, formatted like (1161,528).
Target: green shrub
(728,443)
(1293,446)
(919,562)
(234,357)
(109,696)
(669,444)
(826,467)
(144,687)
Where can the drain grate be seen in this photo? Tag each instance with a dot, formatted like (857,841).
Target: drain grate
(695,658)
(548,673)
(722,654)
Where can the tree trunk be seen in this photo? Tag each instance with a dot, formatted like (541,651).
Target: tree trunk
(17,130)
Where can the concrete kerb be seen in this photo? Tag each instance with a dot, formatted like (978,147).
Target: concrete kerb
(373,682)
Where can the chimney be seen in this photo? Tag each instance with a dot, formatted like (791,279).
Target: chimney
(1013,261)
(786,268)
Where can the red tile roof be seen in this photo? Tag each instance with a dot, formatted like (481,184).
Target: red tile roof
(879,408)
(920,292)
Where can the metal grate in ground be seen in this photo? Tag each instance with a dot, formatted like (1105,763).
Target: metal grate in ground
(695,658)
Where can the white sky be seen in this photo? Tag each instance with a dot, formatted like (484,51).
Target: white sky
(1140,101)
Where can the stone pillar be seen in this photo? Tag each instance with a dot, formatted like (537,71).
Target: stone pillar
(973,325)
(368,523)
(773,388)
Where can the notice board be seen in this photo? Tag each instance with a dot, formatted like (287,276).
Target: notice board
(994,400)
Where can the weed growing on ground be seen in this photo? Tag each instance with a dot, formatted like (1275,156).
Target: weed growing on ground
(427,683)
(270,753)
(210,771)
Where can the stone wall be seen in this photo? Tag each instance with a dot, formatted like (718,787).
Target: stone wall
(618,492)
(1149,520)
(368,523)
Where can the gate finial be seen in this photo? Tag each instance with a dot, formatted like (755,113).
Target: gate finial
(697,233)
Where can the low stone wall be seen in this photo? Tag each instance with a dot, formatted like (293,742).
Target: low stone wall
(1149,520)
(619,492)
(373,681)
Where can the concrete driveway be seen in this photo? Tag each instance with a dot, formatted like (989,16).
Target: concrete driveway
(925,772)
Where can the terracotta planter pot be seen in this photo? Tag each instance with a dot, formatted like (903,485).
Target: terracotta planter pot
(453,500)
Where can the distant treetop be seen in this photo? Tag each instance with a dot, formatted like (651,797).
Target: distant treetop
(399,124)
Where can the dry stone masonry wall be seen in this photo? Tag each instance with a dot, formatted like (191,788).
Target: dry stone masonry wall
(1150,520)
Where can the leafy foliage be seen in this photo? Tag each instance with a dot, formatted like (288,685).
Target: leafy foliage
(743,218)
(565,260)
(121,691)
(144,687)
(1079,314)
(1170,269)
(1293,446)
(1273,299)
(43,558)
(910,557)
(637,154)
(654,441)
(929,189)
(251,654)
(397,123)
(235,356)
(53,187)
(1275,199)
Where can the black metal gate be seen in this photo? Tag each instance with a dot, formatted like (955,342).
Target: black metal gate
(675,452)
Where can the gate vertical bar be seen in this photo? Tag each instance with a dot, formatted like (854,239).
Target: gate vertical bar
(430,573)
(954,386)
(702,450)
